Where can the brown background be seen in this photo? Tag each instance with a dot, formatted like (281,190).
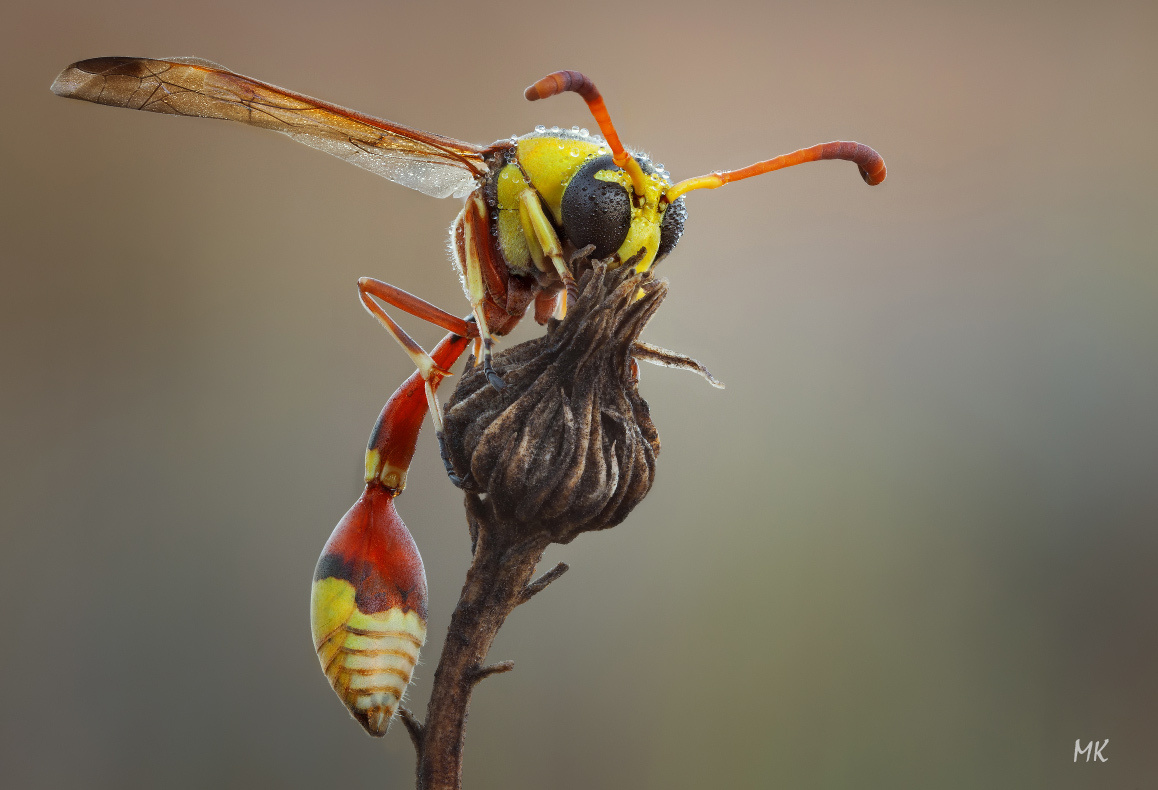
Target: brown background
(913,543)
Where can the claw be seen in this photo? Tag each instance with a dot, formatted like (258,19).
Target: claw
(494,379)
(464,482)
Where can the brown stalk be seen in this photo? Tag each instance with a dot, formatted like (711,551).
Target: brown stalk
(495,585)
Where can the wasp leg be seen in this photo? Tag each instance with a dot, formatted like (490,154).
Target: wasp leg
(474,218)
(531,211)
(416,306)
(428,369)
(465,482)
(395,435)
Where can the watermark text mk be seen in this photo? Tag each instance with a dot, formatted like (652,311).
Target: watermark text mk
(1092,750)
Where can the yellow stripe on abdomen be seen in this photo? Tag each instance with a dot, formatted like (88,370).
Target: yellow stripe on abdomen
(368,658)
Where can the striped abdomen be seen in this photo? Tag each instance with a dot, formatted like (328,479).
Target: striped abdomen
(369,659)
(368,609)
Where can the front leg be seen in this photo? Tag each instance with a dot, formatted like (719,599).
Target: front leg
(475,232)
(535,220)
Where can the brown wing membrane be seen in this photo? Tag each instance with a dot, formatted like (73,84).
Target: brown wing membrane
(430,163)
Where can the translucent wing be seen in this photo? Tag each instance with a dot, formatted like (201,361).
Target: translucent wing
(432,164)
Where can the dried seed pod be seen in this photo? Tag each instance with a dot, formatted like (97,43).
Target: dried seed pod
(568,445)
(368,608)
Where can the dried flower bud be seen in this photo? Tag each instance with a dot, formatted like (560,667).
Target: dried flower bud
(568,445)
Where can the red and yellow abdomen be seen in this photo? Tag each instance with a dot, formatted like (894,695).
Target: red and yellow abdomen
(368,609)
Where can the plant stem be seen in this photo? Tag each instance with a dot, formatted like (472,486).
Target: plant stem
(497,582)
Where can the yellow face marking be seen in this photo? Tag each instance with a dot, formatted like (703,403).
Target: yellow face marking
(644,231)
(643,234)
(551,162)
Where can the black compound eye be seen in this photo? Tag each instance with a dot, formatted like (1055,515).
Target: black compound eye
(594,211)
(671,227)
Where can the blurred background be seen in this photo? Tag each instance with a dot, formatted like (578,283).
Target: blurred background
(913,544)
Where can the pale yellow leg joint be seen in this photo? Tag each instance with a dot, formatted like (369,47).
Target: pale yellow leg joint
(531,208)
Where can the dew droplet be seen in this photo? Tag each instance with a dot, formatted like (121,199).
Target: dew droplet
(584,133)
(540,128)
(574,128)
(575,152)
(555,129)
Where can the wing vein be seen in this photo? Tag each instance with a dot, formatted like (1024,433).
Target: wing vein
(430,163)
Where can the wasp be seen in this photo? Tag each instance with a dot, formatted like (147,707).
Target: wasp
(531,201)
(533,204)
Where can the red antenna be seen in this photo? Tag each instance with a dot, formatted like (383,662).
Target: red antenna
(563,81)
(868,161)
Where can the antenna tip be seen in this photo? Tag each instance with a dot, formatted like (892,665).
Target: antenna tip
(871,165)
(560,82)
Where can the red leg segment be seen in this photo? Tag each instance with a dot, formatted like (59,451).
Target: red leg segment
(427,367)
(420,308)
(395,435)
